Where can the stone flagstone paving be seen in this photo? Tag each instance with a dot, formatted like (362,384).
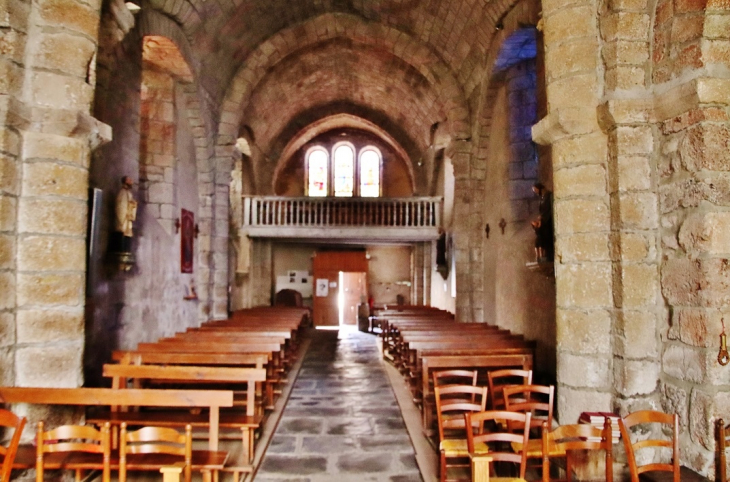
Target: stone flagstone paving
(342,422)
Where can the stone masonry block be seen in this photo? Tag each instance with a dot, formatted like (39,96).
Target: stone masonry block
(581,216)
(7,252)
(161,193)
(7,213)
(696,282)
(636,335)
(634,140)
(625,77)
(698,327)
(70,14)
(61,367)
(11,77)
(583,247)
(571,402)
(572,23)
(706,232)
(640,285)
(45,178)
(7,290)
(576,91)
(636,246)
(8,174)
(583,332)
(583,371)
(586,285)
(705,146)
(636,377)
(701,414)
(7,375)
(60,91)
(571,58)
(9,141)
(634,173)
(587,180)
(48,146)
(50,289)
(52,216)
(675,400)
(638,210)
(684,363)
(47,326)
(63,52)
(7,330)
(50,253)
(626,26)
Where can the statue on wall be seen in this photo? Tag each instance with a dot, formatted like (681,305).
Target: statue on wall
(543,225)
(125,213)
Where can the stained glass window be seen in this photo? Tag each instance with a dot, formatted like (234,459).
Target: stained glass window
(317,164)
(370,173)
(344,170)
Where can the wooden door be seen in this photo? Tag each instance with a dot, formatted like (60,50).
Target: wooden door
(354,290)
(326,269)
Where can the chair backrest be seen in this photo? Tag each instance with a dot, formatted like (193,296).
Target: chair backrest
(10,420)
(454,377)
(535,399)
(74,438)
(452,401)
(582,436)
(498,379)
(723,444)
(155,440)
(664,420)
(497,440)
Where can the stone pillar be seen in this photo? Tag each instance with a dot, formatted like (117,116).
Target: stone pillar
(582,208)
(52,143)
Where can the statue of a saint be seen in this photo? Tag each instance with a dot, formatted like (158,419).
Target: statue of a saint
(543,225)
(125,210)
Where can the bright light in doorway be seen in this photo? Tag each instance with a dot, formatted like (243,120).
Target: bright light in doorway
(341,299)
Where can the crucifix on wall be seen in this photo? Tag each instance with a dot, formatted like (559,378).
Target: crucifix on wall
(187,229)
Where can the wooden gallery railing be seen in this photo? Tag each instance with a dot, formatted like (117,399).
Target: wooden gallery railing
(412,212)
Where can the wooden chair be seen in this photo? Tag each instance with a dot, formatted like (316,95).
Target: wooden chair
(73,447)
(10,420)
(444,378)
(151,448)
(496,441)
(498,379)
(452,401)
(537,400)
(723,443)
(651,417)
(580,436)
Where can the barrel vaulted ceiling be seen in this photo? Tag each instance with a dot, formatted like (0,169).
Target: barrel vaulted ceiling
(278,65)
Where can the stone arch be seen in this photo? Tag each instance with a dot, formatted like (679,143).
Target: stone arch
(116,50)
(512,16)
(327,27)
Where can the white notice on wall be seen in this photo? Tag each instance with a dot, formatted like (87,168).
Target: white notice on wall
(322,287)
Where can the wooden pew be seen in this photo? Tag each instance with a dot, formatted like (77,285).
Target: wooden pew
(247,423)
(212,400)
(241,360)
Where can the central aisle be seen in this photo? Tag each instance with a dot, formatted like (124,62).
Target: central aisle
(342,422)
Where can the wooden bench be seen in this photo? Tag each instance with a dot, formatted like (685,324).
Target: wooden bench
(247,423)
(212,400)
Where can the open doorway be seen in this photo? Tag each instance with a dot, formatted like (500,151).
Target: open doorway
(329,270)
(353,291)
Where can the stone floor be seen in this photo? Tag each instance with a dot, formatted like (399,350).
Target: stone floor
(342,422)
